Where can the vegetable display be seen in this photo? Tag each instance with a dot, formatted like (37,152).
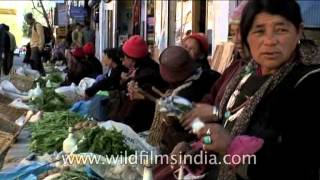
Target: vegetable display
(49,132)
(73,174)
(50,101)
(55,77)
(103,142)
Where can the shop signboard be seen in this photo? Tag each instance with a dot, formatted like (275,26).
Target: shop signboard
(78,14)
(62,15)
(61,32)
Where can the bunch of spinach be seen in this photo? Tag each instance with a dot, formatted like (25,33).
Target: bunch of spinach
(104,142)
(55,77)
(73,174)
(50,131)
(50,101)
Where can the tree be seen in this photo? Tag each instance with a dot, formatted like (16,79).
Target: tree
(43,13)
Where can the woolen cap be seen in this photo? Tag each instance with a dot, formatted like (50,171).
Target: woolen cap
(88,48)
(77,53)
(135,47)
(201,39)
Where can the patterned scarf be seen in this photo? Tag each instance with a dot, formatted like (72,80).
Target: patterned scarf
(241,123)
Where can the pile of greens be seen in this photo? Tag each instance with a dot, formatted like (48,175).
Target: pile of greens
(50,101)
(103,142)
(73,174)
(50,131)
(55,77)
(42,82)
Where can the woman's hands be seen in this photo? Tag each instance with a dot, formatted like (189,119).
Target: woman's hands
(219,136)
(202,111)
(133,91)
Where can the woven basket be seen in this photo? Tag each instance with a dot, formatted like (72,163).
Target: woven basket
(23,83)
(10,113)
(5,140)
(5,100)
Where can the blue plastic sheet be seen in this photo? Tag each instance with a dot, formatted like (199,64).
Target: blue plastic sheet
(25,172)
(81,107)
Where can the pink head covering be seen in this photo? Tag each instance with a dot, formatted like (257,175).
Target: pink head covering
(235,15)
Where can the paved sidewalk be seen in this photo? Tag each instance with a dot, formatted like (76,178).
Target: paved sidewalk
(18,151)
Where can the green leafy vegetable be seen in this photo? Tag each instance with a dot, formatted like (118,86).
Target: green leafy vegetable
(73,174)
(50,101)
(103,142)
(50,131)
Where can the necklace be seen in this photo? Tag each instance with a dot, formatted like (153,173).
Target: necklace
(230,114)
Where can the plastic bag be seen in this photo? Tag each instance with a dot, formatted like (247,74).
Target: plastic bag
(84,84)
(115,169)
(98,108)
(9,87)
(32,73)
(9,90)
(20,71)
(18,103)
(70,92)
(81,107)
(27,71)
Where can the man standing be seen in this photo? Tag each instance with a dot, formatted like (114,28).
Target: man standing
(88,34)
(5,49)
(37,42)
(2,32)
(77,36)
(13,46)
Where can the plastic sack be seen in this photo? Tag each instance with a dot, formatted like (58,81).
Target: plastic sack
(20,71)
(70,92)
(14,95)
(32,73)
(9,87)
(27,71)
(113,169)
(18,103)
(25,172)
(20,121)
(81,107)
(9,90)
(132,139)
(84,84)
(98,108)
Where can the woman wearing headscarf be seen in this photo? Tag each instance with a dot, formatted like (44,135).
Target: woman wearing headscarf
(240,59)
(95,66)
(77,67)
(186,80)
(138,113)
(268,108)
